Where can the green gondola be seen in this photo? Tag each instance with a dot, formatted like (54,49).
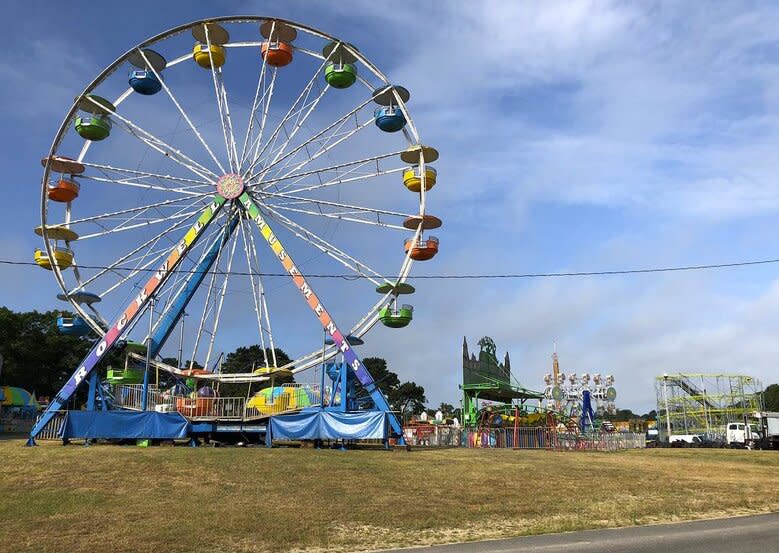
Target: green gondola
(396,318)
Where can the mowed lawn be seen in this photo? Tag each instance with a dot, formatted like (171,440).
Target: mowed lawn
(126,499)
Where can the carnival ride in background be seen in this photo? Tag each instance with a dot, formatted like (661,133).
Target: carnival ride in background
(583,399)
(703,404)
(158,225)
(492,398)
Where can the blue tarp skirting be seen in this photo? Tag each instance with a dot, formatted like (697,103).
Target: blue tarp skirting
(326,425)
(125,425)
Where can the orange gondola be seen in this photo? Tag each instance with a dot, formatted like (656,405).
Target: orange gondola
(276,54)
(423,249)
(63,191)
(277,49)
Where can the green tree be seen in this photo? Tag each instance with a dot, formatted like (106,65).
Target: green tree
(447,409)
(410,399)
(771,397)
(385,379)
(36,356)
(247,358)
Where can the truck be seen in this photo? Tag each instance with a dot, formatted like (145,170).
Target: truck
(741,434)
(768,428)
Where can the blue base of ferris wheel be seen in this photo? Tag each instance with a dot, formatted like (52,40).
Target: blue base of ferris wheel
(325,425)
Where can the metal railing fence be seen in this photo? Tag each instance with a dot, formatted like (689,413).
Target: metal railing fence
(525,437)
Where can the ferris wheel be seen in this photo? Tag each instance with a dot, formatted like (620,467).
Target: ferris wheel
(220,179)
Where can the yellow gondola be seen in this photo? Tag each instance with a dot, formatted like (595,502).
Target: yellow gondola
(63,258)
(412,178)
(215,36)
(203,59)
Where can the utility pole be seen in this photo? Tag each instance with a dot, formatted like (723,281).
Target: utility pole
(555,372)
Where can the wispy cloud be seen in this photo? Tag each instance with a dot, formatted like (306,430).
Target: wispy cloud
(573,135)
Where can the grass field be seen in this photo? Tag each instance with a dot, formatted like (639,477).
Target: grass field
(109,498)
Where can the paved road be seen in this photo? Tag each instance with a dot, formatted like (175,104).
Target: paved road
(752,534)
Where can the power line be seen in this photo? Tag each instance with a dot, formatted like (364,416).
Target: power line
(449,276)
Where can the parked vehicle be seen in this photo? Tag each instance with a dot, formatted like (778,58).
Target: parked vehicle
(768,424)
(739,434)
(686,440)
(652,437)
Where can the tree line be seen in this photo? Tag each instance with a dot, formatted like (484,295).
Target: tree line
(38,358)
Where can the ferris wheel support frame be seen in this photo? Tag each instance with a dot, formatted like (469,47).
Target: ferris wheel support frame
(328,324)
(137,306)
(130,314)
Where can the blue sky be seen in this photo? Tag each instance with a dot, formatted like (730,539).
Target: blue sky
(574,136)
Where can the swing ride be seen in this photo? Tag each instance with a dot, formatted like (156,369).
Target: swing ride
(190,192)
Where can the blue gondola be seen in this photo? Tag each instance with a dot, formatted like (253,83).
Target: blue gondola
(73,326)
(144,82)
(389,118)
(143,78)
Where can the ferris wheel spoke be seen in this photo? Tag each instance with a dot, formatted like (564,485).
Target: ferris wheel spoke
(256,103)
(229,121)
(151,251)
(146,186)
(113,214)
(318,172)
(297,200)
(183,113)
(342,179)
(146,223)
(124,259)
(256,142)
(297,126)
(221,103)
(343,216)
(263,301)
(293,111)
(145,262)
(169,152)
(158,144)
(220,303)
(319,243)
(324,138)
(207,304)
(111,169)
(132,182)
(324,146)
(255,296)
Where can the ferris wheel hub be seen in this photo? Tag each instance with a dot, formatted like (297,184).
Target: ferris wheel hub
(230,186)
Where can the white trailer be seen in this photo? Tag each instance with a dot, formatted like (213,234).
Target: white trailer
(768,427)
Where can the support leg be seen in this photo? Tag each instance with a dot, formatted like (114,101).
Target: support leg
(93,384)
